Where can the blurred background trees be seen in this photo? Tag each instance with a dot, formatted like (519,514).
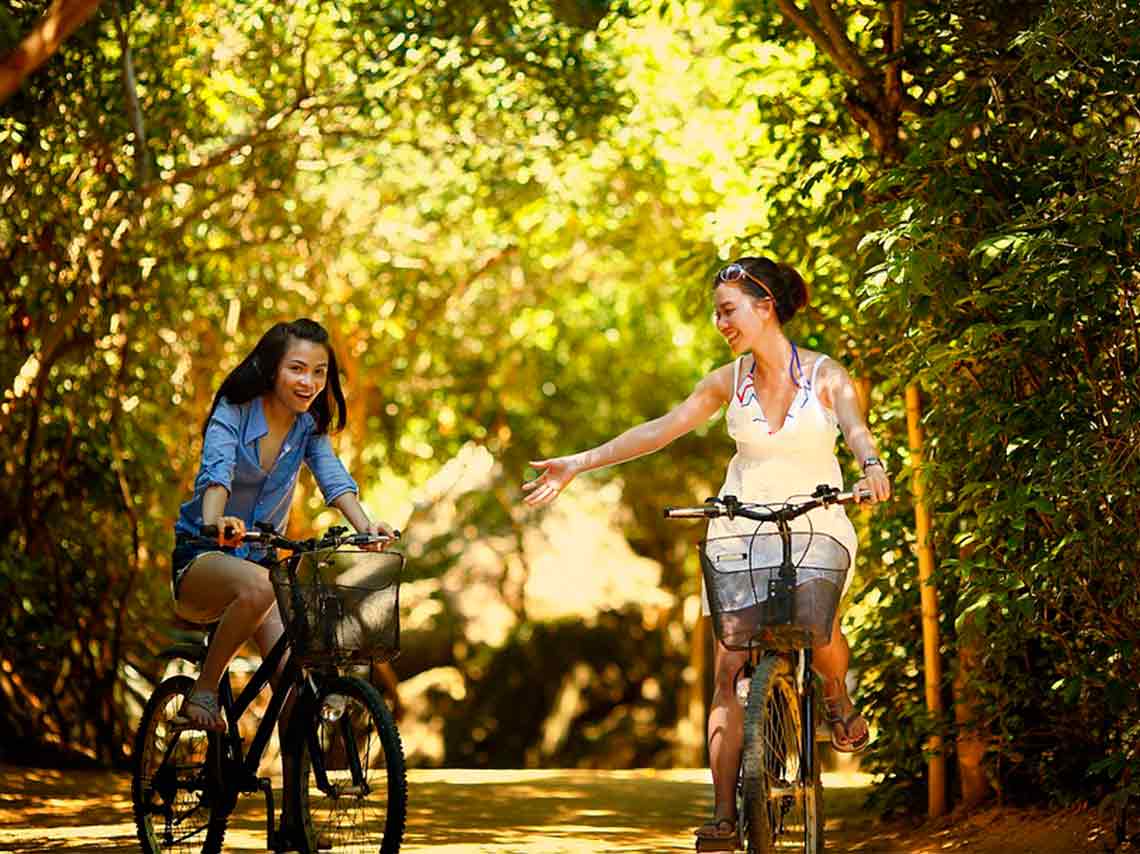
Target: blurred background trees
(507,215)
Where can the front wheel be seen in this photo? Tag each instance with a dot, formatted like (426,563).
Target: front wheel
(177,810)
(350,785)
(780,810)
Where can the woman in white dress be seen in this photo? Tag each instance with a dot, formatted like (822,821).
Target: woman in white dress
(785,404)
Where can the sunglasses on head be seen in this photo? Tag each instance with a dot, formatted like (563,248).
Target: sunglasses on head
(736,272)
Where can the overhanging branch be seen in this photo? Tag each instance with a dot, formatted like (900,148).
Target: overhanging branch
(62,18)
(134,108)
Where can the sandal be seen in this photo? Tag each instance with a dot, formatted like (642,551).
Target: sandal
(718,834)
(207,702)
(832,716)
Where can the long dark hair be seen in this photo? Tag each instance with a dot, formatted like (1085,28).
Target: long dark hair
(258,371)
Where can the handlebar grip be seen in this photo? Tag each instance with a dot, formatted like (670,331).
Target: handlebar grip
(210,532)
(687,513)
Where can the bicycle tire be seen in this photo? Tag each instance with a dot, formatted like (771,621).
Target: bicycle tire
(352,823)
(779,813)
(183,768)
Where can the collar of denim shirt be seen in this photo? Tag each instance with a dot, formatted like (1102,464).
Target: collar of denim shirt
(256,426)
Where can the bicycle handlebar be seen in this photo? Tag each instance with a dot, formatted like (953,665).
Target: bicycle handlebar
(266,536)
(731,506)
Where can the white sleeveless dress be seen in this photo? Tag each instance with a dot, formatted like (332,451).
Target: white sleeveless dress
(773,466)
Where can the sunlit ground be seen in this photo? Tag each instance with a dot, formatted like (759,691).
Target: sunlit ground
(450,811)
(531,811)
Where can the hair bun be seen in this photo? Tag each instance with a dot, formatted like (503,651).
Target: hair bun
(795,287)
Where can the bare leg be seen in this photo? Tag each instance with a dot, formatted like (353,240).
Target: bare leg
(387,677)
(725,732)
(831,663)
(236,591)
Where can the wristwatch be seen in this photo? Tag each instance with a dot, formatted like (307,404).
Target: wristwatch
(873,461)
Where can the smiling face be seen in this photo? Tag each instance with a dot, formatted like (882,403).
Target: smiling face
(739,317)
(301,375)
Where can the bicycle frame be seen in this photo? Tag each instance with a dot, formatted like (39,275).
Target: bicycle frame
(228,768)
(781,592)
(237,768)
(291,675)
(805,683)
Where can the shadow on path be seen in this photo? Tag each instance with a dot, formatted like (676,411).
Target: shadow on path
(523,812)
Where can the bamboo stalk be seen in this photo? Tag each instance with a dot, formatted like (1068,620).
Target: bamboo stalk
(691,742)
(936,764)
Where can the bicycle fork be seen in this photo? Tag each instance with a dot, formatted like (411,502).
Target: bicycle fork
(805,683)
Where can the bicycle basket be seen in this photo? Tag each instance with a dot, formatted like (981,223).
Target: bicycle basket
(350,603)
(741,573)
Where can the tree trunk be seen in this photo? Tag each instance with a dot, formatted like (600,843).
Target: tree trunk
(972,739)
(931,643)
(691,726)
(60,21)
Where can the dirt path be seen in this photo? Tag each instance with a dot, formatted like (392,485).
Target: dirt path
(527,812)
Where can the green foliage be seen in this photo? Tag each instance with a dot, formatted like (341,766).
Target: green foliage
(507,214)
(996,267)
(143,253)
(1004,279)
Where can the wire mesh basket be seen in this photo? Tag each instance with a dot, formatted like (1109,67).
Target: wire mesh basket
(742,574)
(351,604)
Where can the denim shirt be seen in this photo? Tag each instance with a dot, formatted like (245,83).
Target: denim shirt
(230,459)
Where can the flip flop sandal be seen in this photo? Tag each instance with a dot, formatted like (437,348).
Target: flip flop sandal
(832,717)
(717,835)
(208,703)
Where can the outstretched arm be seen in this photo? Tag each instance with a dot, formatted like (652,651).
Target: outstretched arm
(711,393)
(848,411)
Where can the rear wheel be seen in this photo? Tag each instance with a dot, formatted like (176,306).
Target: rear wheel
(172,790)
(351,786)
(780,812)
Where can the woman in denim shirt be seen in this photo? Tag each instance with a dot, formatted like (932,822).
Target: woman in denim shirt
(272,413)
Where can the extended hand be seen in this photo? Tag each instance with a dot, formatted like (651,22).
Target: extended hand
(556,475)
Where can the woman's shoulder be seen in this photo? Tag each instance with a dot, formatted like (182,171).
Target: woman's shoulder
(718,381)
(814,360)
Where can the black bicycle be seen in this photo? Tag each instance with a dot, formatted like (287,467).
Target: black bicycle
(773,593)
(344,779)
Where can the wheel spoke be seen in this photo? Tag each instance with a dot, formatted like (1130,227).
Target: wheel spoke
(779,808)
(171,804)
(359,806)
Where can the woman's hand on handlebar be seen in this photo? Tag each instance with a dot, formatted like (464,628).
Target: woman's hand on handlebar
(874,486)
(379,529)
(231,531)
